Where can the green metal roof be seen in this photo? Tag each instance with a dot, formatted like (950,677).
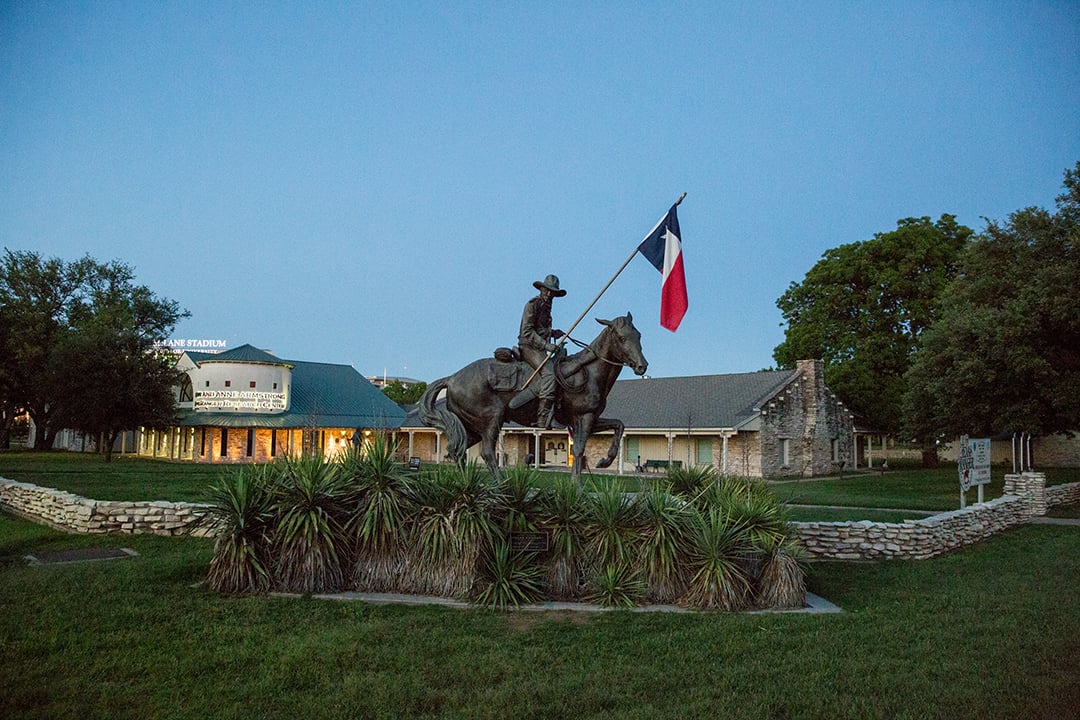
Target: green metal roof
(322,395)
(242,354)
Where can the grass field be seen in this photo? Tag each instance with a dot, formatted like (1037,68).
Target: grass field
(989,632)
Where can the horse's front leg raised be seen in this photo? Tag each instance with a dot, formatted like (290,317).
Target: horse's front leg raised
(603,425)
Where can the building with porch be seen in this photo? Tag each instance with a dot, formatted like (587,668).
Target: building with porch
(761,424)
(247,405)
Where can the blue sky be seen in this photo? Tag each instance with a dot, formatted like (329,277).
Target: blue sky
(379,184)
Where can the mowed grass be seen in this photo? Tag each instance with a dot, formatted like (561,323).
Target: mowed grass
(125,478)
(907,488)
(989,632)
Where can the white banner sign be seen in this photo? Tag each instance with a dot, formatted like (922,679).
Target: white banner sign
(206,400)
(974,462)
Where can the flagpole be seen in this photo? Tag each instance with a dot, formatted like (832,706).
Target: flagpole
(562,340)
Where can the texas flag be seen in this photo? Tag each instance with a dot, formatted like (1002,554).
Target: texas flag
(663,248)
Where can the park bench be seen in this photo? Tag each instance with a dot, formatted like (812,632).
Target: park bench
(660,465)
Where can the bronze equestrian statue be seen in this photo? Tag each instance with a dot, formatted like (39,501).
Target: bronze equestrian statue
(536,348)
(478,397)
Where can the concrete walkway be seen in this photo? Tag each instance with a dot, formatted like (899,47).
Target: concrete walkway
(815,605)
(1056,521)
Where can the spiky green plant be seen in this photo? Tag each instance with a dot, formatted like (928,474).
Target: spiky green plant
(662,554)
(310,541)
(453,521)
(617,585)
(563,512)
(782,580)
(613,524)
(688,482)
(239,511)
(716,553)
(377,486)
(521,499)
(508,578)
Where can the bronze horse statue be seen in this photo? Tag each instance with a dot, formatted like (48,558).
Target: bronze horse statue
(478,396)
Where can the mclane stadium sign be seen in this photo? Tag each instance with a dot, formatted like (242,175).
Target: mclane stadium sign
(206,400)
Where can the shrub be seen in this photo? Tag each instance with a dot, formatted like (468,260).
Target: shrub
(715,552)
(562,511)
(454,520)
(508,579)
(663,544)
(379,498)
(240,510)
(310,541)
(617,585)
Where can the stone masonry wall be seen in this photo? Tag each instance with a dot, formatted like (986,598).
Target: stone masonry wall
(67,511)
(1026,497)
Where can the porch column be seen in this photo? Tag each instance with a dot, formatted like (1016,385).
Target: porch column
(723,453)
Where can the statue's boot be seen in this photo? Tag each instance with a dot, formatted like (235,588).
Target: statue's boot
(545,413)
(523,398)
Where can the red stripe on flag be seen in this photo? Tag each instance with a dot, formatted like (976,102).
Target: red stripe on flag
(673,302)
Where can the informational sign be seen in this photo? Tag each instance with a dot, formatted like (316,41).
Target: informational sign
(213,400)
(973,463)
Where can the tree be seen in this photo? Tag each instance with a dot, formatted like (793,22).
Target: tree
(1004,355)
(863,308)
(81,337)
(404,394)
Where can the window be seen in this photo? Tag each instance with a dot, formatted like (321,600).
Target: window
(207,384)
(186,392)
(202,443)
(835,450)
(275,386)
(784,450)
(228,383)
(251,441)
(273,443)
(633,451)
(251,384)
(704,451)
(224,442)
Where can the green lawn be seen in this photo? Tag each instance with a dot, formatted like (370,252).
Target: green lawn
(125,478)
(989,632)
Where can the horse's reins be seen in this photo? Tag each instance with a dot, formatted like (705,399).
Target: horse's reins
(586,346)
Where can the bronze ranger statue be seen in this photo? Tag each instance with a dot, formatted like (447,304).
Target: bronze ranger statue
(535,344)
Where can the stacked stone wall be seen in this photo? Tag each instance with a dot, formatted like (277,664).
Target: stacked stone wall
(74,513)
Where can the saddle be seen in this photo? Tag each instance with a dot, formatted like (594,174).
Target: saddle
(509,372)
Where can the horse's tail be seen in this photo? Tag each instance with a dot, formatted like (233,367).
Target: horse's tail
(440,418)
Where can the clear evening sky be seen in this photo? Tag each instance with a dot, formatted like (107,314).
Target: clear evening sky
(379,184)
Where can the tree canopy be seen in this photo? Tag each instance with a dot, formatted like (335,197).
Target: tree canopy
(81,341)
(863,308)
(404,394)
(1004,355)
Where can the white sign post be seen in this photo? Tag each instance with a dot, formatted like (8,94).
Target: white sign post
(973,465)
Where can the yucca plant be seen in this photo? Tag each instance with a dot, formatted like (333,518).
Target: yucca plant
(716,554)
(521,499)
(377,489)
(562,512)
(310,541)
(239,510)
(662,554)
(688,482)
(617,585)
(453,522)
(782,581)
(613,524)
(508,578)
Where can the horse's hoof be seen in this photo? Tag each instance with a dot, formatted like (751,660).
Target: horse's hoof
(606,462)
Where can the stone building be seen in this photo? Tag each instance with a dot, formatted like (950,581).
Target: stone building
(246,405)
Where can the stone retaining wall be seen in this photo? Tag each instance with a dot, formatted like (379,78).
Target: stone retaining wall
(74,513)
(1027,496)
(863,540)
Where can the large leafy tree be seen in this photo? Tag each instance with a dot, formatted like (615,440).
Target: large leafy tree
(1004,355)
(404,394)
(81,338)
(864,307)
